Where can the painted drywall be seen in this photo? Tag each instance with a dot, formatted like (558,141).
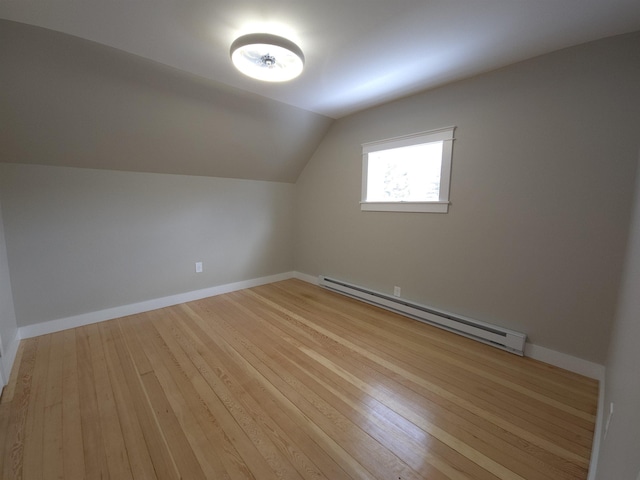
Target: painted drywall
(83,240)
(619,450)
(71,102)
(8,325)
(541,195)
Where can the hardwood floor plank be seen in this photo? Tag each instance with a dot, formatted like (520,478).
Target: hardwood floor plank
(431,430)
(450,440)
(479,415)
(339,320)
(110,424)
(19,407)
(223,373)
(287,381)
(383,463)
(241,352)
(186,461)
(95,458)
(251,422)
(52,455)
(506,445)
(5,410)
(374,417)
(546,378)
(386,343)
(133,436)
(72,439)
(199,425)
(294,441)
(124,342)
(483,395)
(34,428)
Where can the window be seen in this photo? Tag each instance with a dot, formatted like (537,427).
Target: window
(409,173)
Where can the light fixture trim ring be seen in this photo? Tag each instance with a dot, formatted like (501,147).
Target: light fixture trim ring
(248,54)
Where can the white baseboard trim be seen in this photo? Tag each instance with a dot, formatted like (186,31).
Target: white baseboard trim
(60,324)
(562,360)
(307,278)
(9,357)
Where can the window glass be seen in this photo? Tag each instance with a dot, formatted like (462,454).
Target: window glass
(406,174)
(409,173)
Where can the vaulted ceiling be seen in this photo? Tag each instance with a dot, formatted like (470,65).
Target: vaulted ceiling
(147,85)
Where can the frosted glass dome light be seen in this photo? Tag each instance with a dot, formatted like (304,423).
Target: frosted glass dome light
(267,57)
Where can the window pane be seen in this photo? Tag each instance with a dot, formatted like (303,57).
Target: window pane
(407,174)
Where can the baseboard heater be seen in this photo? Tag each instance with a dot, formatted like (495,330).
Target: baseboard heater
(493,335)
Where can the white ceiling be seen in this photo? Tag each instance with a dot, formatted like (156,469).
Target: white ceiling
(359,53)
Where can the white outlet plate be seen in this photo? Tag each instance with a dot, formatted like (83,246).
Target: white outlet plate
(396,291)
(198,267)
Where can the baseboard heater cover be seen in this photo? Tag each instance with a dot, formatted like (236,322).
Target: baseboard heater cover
(493,335)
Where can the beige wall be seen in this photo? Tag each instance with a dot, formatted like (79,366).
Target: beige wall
(619,451)
(81,240)
(541,192)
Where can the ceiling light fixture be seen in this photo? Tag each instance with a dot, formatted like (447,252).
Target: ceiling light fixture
(267,57)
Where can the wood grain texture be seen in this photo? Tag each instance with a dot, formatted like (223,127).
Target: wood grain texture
(287,381)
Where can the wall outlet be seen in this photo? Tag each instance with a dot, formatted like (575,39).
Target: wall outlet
(198,267)
(396,291)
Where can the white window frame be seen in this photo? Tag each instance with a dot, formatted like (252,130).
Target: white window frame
(445,135)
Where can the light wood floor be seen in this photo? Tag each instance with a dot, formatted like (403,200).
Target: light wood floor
(287,381)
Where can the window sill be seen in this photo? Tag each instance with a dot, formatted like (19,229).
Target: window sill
(419,207)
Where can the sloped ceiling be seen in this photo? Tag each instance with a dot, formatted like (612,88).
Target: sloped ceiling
(359,52)
(71,102)
(147,85)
